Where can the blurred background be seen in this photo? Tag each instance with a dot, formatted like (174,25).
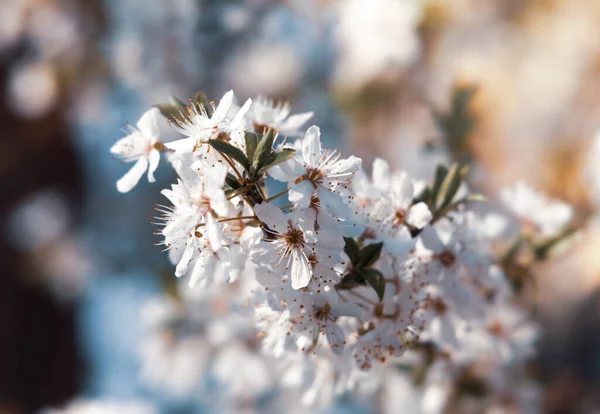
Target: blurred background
(511,87)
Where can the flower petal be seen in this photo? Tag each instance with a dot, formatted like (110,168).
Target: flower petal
(182,266)
(311,146)
(132,177)
(214,233)
(301,193)
(335,337)
(148,124)
(153,159)
(185,145)
(301,270)
(381,174)
(294,122)
(419,215)
(347,166)
(223,109)
(271,216)
(431,240)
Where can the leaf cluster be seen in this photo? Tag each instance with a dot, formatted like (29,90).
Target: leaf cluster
(440,196)
(360,272)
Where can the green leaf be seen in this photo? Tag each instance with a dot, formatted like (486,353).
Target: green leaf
(440,173)
(376,280)
(233,152)
(554,244)
(171,111)
(351,249)
(276,158)
(470,198)
(263,149)
(232,182)
(201,99)
(175,101)
(369,254)
(251,143)
(449,187)
(262,189)
(424,196)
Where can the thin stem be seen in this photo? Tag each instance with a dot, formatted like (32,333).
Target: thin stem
(232,166)
(240,191)
(284,192)
(236,218)
(288,206)
(229,219)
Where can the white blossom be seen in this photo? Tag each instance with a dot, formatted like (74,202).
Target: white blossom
(142,147)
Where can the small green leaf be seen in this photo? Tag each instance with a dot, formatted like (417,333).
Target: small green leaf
(276,158)
(449,187)
(171,111)
(351,249)
(201,99)
(262,189)
(554,244)
(227,149)
(263,149)
(251,143)
(424,196)
(175,101)
(232,182)
(349,282)
(369,254)
(440,173)
(470,198)
(376,280)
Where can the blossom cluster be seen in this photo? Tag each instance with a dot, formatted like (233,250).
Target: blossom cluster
(340,282)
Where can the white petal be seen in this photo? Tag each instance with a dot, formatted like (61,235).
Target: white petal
(294,122)
(311,146)
(219,203)
(148,124)
(335,337)
(431,240)
(381,174)
(333,204)
(419,215)
(271,216)
(301,193)
(347,309)
(182,266)
(215,176)
(205,266)
(131,178)
(223,108)
(238,120)
(403,189)
(185,145)
(214,233)
(153,159)
(350,165)
(399,246)
(305,219)
(278,173)
(301,270)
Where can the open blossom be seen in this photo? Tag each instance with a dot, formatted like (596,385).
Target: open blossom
(401,191)
(549,216)
(265,113)
(294,240)
(142,147)
(319,171)
(199,126)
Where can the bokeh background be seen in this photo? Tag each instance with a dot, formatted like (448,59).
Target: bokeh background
(511,87)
